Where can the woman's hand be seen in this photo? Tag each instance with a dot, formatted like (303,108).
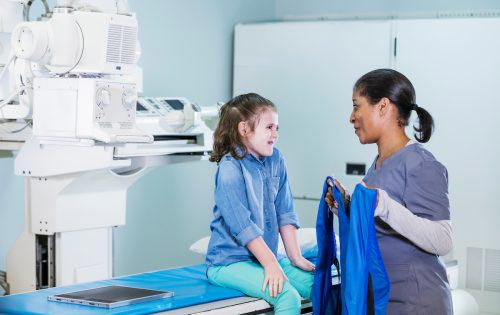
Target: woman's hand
(330,199)
(303,264)
(275,278)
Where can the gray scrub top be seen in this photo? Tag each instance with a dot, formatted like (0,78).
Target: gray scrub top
(413,177)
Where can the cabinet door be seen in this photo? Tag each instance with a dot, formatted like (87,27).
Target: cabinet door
(455,67)
(308,69)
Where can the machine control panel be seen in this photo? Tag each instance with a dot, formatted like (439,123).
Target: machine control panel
(114,102)
(163,106)
(172,114)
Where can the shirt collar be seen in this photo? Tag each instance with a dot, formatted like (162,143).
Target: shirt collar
(251,157)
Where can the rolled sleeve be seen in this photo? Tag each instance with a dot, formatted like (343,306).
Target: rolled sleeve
(248,234)
(289,218)
(285,208)
(232,202)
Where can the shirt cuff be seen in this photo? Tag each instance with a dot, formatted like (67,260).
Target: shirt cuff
(248,234)
(288,218)
(382,209)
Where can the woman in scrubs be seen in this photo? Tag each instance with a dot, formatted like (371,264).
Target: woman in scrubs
(413,212)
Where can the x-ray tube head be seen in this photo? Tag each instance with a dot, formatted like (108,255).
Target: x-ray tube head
(80,42)
(30,41)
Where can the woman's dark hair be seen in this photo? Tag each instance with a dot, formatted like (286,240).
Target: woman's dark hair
(393,85)
(245,107)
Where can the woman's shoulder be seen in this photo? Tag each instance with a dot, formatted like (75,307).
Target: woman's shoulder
(418,157)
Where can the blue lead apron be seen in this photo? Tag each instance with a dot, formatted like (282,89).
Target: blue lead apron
(325,296)
(365,285)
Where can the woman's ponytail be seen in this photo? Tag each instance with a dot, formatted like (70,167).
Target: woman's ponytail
(425,125)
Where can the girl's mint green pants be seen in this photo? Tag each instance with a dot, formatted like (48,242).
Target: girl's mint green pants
(248,277)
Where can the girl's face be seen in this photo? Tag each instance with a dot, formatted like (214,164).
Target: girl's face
(260,142)
(366,119)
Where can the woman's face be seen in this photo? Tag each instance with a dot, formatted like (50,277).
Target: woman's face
(366,119)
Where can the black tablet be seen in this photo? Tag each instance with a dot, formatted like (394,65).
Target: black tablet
(110,296)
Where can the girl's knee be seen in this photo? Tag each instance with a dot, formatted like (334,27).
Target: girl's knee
(288,301)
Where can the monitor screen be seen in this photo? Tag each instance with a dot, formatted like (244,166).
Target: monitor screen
(175,104)
(141,108)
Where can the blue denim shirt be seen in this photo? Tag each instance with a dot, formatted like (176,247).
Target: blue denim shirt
(252,199)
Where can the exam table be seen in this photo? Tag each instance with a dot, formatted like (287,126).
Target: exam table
(193,295)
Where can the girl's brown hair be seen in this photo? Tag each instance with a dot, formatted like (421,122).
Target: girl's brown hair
(245,107)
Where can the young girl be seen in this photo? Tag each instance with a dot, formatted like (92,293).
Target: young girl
(253,203)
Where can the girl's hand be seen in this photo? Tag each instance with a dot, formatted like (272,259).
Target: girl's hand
(275,277)
(273,274)
(303,264)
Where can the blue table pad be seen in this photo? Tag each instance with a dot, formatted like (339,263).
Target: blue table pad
(189,284)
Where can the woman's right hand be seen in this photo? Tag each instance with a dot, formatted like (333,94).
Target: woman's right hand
(275,278)
(330,199)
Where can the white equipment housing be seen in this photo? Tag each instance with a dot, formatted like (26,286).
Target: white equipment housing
(16,130)
(80,42)
(78,193)
(86,108)
(176,125)
(87,147)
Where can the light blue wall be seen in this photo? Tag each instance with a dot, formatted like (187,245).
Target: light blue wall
(187,45)
(290,9)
